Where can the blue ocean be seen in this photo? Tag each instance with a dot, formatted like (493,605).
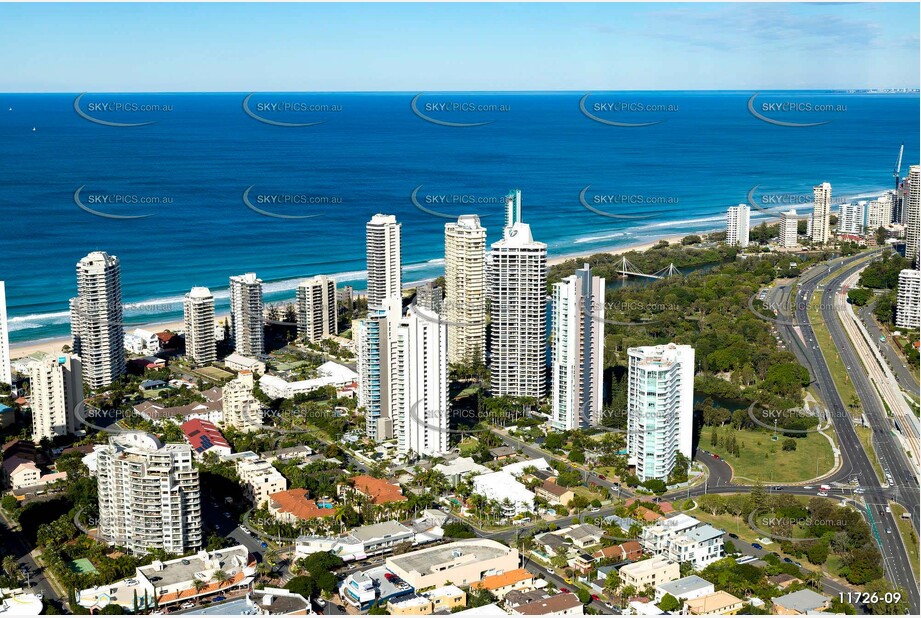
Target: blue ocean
(189,189)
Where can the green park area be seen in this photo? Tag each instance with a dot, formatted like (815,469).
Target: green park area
(909,536)
(762,459)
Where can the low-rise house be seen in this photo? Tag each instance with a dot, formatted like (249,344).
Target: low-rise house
(501,486)
(378,490)
(438,600)
(784,580)
(686,588)
(800,603)
(375,586)
(565,604)
(501,453)
(628,550)
(360,543)
(293,505)
(328,374)
(582,535)
(503,583)
(518,468)
(652,572)
(204,437)
(554,494)
(459,469)
(522,597)
(20,473)
(582,563)
(719,603)
(238,362)
(211,410)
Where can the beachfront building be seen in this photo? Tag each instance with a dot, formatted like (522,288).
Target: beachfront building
(96,316)
(517,283)
(419,381)
(851,218)
(373,348)
(878,212)
(577,337)
(149,495)
(465,289)
(316,308)
(908,303)
(198,315)
(913,215)
(430,296)
(56,384)
(789,229)
(660,408)
(649,573)
(821,213)
(6,373)
(382,235)
(738,222)
(246,321)
(241,408)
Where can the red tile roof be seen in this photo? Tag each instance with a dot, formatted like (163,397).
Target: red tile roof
(295,501)
(202,435)
(380,491)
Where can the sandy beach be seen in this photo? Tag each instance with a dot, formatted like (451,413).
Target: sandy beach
(54,346)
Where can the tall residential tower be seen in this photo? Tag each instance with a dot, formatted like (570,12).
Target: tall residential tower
(316,308)
(577,337)
(738,222)
(465,289)
(517,282)
(821,213)
(57,389)
(96,316)
(246,319)
(660,408)
(198,315)
(382,235)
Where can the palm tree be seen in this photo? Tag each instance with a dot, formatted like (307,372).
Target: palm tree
(198,584)
(10,567)
(220,576)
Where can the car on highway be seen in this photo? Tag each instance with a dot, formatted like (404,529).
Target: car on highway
(733,535)
(757,546)
(822,494)
(809,487)
(888,530)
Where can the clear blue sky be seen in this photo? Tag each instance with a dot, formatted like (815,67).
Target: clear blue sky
(415,47)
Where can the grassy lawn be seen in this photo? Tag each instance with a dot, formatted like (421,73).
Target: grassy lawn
(865,435)
(762,459)
(909,538)
(729,523)
(836,366)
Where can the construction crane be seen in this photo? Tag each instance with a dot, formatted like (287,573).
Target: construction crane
(898,167)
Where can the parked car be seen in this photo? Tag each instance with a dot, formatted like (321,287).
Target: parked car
(219,598)
(188,605)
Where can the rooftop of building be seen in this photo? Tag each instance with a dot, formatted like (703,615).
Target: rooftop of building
(550,605)
(711,603)
(802,601)
(296,502)
(680,587)
(495,582)
(203,435)
(231,560)
(379,490)
(424,561)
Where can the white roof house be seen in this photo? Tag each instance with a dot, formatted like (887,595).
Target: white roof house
(328,374)
(500,486)
(517,469)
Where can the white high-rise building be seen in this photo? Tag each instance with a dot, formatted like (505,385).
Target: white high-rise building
(660,408)
(419,378)
(6,374)
(821,213)
(851,218)
(517,283)
(149,495)
(789,225)
(738,223)
(465,289)
(879,212)
(316,308)
(577,337)
(241,408)
(56,384)
(198,314)
(382,235)
(908,307)
(96,316)
(246,319)
(913,215)
(373,336)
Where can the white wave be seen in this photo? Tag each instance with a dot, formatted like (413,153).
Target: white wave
(586,239)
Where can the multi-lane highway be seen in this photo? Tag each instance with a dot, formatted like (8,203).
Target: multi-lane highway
(799,335)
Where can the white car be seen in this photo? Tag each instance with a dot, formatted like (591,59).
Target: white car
(823,494)
(188,605)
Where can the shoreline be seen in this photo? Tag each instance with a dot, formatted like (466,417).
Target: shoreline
(53,346)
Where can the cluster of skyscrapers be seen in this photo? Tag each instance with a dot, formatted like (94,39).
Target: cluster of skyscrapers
(403,359)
